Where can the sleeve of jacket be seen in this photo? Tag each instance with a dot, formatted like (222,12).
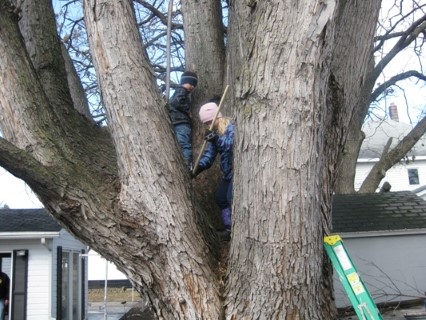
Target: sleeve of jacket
(226,144)
(208,157)
(180,100)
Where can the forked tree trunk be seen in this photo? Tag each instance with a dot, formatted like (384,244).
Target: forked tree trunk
(154,193)
(128,199)
(292,69)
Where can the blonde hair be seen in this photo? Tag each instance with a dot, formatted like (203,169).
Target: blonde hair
(222,123)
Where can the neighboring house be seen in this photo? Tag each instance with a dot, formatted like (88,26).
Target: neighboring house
(45,264)
(385,236)
(409,173)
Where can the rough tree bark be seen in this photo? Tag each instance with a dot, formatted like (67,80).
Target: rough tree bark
(127,197)
(292,69)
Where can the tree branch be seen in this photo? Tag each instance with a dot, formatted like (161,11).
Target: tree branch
(389,35)
(389,159)
(392,81)
(22,165)
(159,14)
(409,36)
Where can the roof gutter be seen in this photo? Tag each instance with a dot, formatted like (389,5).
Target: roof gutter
(368,160)
(28,235)
(386,233)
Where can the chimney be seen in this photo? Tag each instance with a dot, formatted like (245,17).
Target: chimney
(393,112)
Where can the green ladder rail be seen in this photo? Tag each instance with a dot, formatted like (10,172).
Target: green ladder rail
(361,300)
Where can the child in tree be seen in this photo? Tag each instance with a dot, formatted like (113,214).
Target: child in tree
(180,114)
(220,140)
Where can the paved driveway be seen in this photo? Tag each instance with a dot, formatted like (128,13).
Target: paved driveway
(115,310)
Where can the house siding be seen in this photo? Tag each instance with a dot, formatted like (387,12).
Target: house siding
(391,267)
(397,176)
(39,280)
(41,290)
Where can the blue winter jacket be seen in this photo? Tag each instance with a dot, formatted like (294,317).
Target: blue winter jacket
(224,146)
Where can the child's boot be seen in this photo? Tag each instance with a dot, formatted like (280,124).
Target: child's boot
(226,215)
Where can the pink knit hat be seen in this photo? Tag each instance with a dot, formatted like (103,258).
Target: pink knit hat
(207,112)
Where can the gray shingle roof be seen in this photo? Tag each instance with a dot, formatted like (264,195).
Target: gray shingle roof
(389,211)
(27,220)
(357,212)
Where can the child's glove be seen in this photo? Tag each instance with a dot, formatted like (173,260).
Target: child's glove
(210,135)
(196,172)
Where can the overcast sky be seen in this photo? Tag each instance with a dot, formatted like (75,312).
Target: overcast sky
(15,193)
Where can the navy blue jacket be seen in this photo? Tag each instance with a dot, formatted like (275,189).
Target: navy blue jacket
(179,106)
(224,146)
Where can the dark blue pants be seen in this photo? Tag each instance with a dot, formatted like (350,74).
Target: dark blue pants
(183,136)
(223,195)
(2,308)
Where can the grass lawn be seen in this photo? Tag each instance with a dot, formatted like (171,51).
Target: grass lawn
(113,294)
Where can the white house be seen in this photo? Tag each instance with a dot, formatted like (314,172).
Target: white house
(409,173)
(46,266)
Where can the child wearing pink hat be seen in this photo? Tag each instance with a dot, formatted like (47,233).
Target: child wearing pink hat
(220,141)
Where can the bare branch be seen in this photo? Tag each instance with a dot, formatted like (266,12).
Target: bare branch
(389,35)
(389,159)
(409,36)
(158,14)
(392,81)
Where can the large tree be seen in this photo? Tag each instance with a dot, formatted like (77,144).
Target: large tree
(294,74)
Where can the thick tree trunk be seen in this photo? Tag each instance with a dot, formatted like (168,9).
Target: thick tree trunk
(52,67)
(134,208)
(154,195)
(292,108)
(347,167)
(204,44)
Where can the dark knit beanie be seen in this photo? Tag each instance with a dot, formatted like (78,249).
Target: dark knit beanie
(189,77)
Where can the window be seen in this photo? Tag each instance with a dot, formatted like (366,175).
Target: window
(65,285)
(70,290)
(413,176)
